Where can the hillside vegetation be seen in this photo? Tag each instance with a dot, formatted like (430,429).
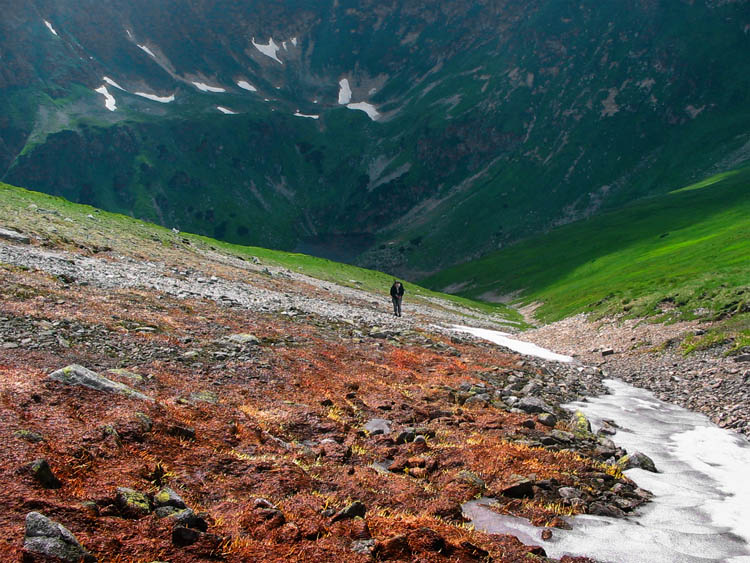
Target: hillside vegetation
(112,231)
(682,255)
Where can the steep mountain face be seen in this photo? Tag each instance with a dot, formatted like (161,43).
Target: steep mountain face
(408,136)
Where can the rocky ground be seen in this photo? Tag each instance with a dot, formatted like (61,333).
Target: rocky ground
(648,356)
(214,408)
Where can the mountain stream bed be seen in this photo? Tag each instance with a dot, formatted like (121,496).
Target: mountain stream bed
(701,506)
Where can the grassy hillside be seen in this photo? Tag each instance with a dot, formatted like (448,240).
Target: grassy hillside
(685,254)
(96,230)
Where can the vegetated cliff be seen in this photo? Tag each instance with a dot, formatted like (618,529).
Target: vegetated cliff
(494,120)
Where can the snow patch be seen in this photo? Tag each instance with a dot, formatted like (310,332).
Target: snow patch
(245,85)
(345,92)
(111,82)
(155,98)
(52,29)
(502,339)
(701,502)
(269,50)
(226,111)
(369,109)
(298,114)
(109,100)
(147,50)
(294,41)
(206,88)
(283,44)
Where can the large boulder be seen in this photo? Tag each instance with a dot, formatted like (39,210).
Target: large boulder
(79,375)
(47,537)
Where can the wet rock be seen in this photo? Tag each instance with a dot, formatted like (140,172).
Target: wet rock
(47,537)
(607,429)
(637,460)
(79,375)
(528,423)
(533,405)
(355,509)
(547,419)
(132,503)
(602,509)
(42,473)
(378,427)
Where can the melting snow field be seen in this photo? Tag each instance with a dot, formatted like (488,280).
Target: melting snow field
(701,506)
(503,339)
(269,50)
(109,100)
(369,109)
(245,85)
(345,92)
(206,88)
(226,111)
(49,26)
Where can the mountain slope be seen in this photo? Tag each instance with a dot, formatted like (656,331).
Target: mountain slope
(680,255)
(495,120)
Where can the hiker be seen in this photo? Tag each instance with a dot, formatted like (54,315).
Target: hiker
(397,294)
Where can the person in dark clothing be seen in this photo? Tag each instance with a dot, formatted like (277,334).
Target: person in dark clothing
(397,294)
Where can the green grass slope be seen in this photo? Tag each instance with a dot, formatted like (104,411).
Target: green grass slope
(685,254)
(72,225)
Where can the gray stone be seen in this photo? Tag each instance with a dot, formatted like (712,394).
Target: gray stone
(132,503)
(569,492)
(364,547)
(79,375)
(532,405)
(167,497)
(186,518)
(47,537)
(602,509)
(378,426)
(14,236)
(547,419)
(243,339)
(607,352)
(742,358)
(637,460)
(354,510)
